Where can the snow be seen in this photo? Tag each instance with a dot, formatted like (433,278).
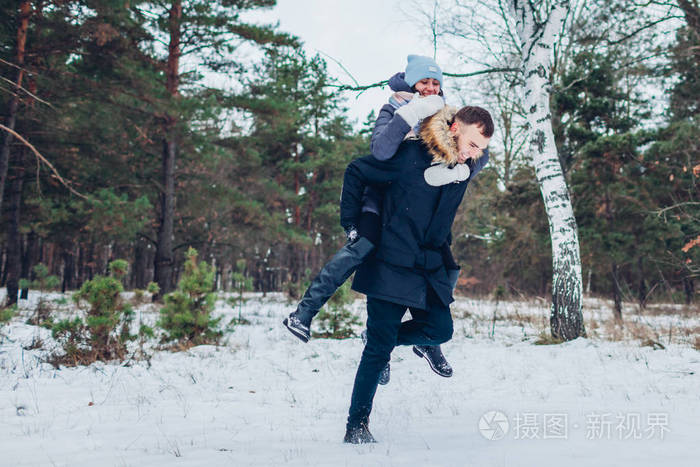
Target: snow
(264,398)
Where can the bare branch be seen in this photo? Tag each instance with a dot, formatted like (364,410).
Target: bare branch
(43,159)
(26,91)
(345,87)
(358,87)
(660,212)
(480,72)
(342,67)
(15,66)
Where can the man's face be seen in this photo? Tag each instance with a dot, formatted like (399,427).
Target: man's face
(470,142)
(427,87)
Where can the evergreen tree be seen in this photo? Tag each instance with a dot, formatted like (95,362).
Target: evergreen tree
(298,149)
(209,32)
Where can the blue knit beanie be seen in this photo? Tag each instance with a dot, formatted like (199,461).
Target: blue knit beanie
(420,67)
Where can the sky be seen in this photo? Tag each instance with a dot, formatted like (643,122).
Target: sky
(370,38)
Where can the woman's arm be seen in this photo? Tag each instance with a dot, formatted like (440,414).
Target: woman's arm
(360,173)
(389,131)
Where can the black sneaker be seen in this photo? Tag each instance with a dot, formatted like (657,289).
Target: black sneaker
(385,375)
(359,435)
(297,326)
(435,358)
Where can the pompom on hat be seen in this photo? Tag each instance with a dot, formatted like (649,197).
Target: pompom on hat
(420,67)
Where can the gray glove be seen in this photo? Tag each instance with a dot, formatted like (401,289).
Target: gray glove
(419,108)
(441,174)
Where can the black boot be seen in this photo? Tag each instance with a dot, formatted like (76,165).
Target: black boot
(358,434)
(299,325)
(385,375)
(324,285)
(435,358)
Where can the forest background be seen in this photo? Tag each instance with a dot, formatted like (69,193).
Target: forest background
(138,129)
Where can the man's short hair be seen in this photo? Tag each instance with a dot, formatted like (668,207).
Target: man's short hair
(481,117)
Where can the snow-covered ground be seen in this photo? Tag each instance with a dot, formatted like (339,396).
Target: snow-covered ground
(265,399)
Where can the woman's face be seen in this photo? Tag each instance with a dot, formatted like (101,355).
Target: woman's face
(427,87)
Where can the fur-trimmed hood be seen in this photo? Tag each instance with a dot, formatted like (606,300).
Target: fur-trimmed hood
(435,134)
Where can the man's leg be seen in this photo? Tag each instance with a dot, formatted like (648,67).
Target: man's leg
(383,322)
(432,326)
(432,353)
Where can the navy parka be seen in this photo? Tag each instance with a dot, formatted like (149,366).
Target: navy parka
(416,223)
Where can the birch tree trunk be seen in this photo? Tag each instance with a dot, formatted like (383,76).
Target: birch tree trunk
(538,24)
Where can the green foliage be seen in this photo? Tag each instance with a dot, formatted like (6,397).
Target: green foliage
(186,315)
(140,295)
(105,329)
(241,283)
(336,320)
(118,269)
(152,288)
(43,282)
(146,332)
(7,313)
(295,289)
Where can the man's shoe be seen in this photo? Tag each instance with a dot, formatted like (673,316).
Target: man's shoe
(385,375)
(298,326)
(435,358)
(359,435)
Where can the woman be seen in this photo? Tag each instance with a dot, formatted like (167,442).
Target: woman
(418,94)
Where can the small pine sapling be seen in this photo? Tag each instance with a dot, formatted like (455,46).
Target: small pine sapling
(336,320)
(6,314)
(186,316)
(104,332)
(241,283)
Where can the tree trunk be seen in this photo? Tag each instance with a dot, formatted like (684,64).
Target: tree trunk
(642,288)
(25,11)
(689,289)
(617,293)
(537,39)
(6,262)
(164,249)
(28,261)
(691,10)
(14,242)
(140,281)
(68,258)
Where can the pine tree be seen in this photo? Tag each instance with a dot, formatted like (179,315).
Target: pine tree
(208,31)
(186,315)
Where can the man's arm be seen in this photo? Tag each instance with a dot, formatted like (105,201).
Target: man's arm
(479,164)
(360,173)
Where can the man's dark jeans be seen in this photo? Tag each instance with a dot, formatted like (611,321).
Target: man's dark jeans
(385,331)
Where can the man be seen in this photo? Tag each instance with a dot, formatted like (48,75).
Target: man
(408,269)
(418,94)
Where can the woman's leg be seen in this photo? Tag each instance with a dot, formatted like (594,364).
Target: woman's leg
(333,275)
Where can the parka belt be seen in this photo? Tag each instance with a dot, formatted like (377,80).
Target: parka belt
(427,259)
